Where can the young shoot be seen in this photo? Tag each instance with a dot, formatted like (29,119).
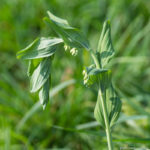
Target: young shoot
(40,54)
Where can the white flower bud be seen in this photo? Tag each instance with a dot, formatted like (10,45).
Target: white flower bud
(84,72)
(85,81)
(66,47)
(74,51)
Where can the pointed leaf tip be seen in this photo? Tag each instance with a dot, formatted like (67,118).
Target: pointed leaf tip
(44,94)
(105,46)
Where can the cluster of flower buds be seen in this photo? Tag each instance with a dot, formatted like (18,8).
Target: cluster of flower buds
(86,77)
(73,51)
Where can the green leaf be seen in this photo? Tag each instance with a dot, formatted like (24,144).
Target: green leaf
(105,47)
(112,103)
(40,74)
(32,64)
(30,68)
(98,111)
(58,21)
(71,36)
(39,48)
(94,75)
(44,93)
(105,79)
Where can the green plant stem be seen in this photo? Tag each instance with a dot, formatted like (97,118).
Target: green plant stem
(104,107)
(107,126)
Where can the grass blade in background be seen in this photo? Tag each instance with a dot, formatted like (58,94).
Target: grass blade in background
(37,106)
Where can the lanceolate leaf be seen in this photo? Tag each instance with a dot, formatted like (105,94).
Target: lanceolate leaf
(71,36)
(32,64)
(105,47)
(113,104)
(40,74)
(39,48)
(44,93)
(98,111)
(77,38)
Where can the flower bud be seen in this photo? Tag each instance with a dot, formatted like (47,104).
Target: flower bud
(85,81)
(74,51)
(84,72)
(66,47)
(85,78)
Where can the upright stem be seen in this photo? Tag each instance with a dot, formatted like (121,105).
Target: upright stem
(107,127)
(95,60)
(104,107)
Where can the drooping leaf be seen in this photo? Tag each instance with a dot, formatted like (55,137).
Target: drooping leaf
(40,74)
(105,47)
(77,38)
(39,48)
(71,36)
(32,64)
(44,93)
(113,104)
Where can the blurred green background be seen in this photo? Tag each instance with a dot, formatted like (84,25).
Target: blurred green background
(68,122)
